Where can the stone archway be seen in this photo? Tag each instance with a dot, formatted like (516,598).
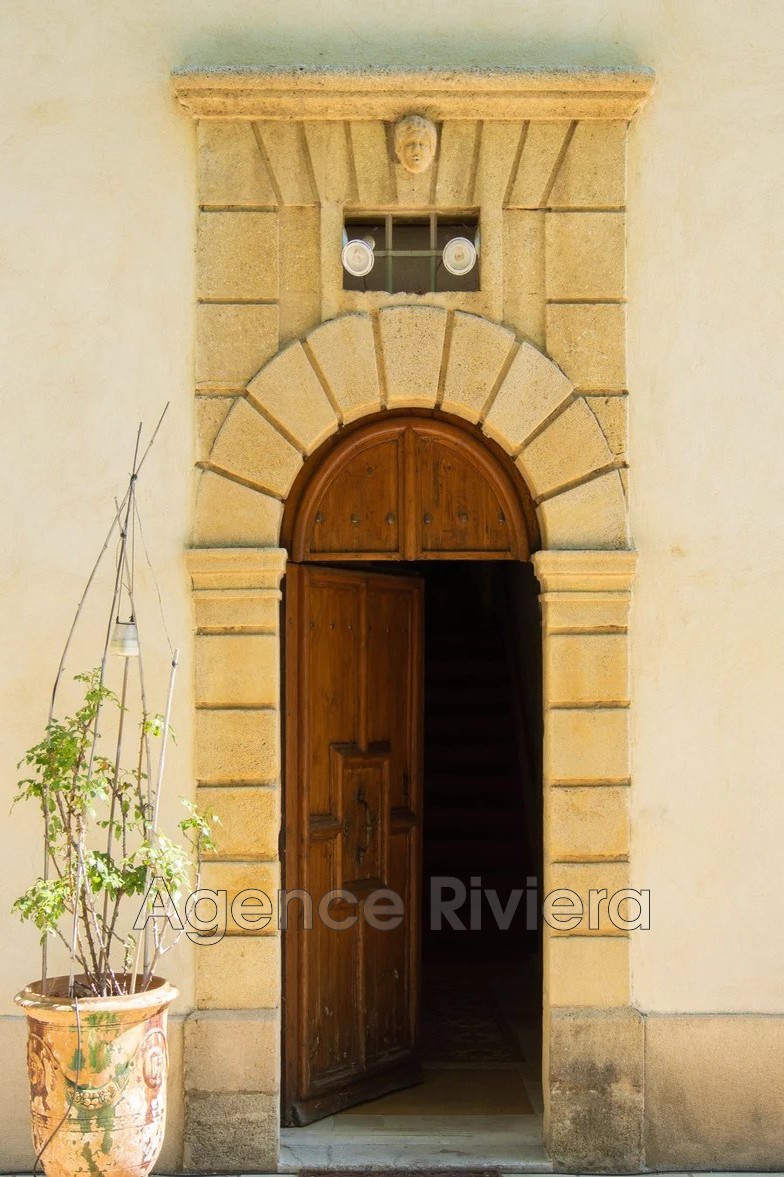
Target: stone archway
(413,357)
(349,367)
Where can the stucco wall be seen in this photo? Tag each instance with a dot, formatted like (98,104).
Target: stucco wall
(97,327)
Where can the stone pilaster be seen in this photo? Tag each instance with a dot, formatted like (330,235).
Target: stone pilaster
(232,1038)
(593,1039)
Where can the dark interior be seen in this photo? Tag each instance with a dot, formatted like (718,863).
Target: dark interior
(482,807)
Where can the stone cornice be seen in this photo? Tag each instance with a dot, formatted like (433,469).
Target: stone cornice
(585,572)
(386,93)
(226,569)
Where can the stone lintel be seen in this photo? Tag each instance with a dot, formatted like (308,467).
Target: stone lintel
(290,92)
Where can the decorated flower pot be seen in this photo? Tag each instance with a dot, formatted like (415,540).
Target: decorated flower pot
(97,1071)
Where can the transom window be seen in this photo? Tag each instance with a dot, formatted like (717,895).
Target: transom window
(419,254)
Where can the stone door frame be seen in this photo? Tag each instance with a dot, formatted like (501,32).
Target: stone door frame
(426,353)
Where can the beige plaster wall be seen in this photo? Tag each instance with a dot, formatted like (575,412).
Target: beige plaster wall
(97,327)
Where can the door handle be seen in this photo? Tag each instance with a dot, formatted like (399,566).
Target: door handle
(367,829)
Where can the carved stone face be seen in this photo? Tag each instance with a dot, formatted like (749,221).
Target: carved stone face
(415,142)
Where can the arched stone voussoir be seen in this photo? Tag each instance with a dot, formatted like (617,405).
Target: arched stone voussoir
(412,340)
(340,372)
(345,351)
(252,450)
(288,391)
(532,390)
(231,515)
(478,351)
(590,516)
(570,448)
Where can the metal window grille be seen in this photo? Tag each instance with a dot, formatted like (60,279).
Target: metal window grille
(408,252)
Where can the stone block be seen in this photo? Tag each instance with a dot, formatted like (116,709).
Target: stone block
(477,353)
(612,413)
(593,171)
(300,250)
(584,572)
(589,821)
(588,340)
(413,343)
(240,972)
(586,255)
(596,1090)
(497,154)
(345,352)
(287,158)
(234,878)
(289,392)
(714,1091)
(229,514)
(236,568)
(587,745)
(235,746)
(372,163)
(570,448)
(238,610)
(414,189)
(588,612)
(583,878)
(237,1132)
(237,670)
(252,449)
(329,156)
(456,154)
(233,341)
(249,820)
(211,412)
(231,167)
(591,516)
(299,314)
(232,1050)
(532,389)
(586,970)
(523,293)
(586,668)
(541,150)
(237,255)
(490,302)
(170,1159)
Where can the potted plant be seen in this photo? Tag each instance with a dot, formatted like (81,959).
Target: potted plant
(97,1054)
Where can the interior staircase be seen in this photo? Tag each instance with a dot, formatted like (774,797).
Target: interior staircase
(474,783)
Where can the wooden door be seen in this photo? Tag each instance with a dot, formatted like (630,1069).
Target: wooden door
(353,824)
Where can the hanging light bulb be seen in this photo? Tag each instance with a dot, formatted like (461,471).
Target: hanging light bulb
(125,639)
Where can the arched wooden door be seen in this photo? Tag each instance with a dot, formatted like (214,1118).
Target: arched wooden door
(398,489)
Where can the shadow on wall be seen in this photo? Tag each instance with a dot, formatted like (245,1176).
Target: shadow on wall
(463,35)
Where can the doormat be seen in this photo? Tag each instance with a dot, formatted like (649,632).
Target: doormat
(462,1023)
(444,1092)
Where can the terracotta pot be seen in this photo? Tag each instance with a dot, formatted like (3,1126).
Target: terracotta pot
(111,1095)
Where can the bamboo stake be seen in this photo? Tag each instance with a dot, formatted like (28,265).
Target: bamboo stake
(156,810)
(107,639)
(110,832)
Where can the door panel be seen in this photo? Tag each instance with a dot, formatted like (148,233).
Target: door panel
(353,825)
(409,488)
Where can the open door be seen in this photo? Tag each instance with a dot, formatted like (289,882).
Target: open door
(353,825)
